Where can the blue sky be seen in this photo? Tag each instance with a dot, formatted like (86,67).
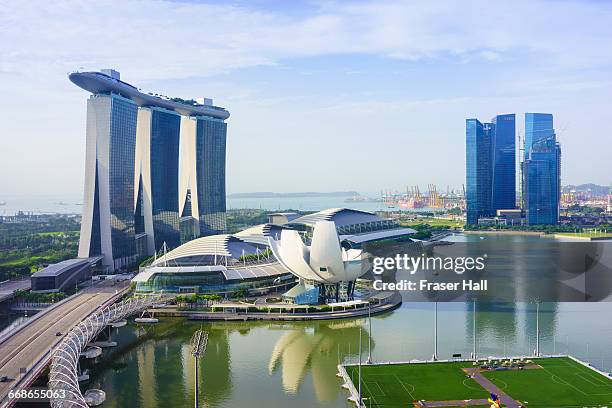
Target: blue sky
(324,95)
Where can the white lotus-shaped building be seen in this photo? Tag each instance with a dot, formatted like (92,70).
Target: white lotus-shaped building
(324,261)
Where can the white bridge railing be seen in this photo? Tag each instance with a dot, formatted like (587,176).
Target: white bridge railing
(63,377)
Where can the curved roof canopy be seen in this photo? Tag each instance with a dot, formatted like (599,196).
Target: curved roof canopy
(99,83)
(340,216)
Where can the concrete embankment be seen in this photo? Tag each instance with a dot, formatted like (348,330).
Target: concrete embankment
(394,302)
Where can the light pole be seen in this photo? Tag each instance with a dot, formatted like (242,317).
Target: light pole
(369,361)
(435,354)
(537,349)
(474,330)
(199,340)
(359,392)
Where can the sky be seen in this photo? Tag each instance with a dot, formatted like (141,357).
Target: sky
(323,95)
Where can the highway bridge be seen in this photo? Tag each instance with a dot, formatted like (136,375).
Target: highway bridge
(27,351)
(8,288)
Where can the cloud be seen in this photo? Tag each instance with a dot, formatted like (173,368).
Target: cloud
(449,60)
(163,39)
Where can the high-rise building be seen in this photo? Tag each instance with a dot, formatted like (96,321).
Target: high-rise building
(542,182)
(107,225)
(137,145)
(503,189)
(537,126)
(490,167)
(157,177)
(478,170)
(202,179)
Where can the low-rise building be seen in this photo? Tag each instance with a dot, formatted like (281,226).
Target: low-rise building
(62,276)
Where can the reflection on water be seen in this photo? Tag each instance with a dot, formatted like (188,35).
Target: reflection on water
(302,348)
(275,364)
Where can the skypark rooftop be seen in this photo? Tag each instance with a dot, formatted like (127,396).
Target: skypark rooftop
(100,83)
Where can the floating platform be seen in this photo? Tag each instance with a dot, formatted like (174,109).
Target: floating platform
(103,344)
(94,397)
(149,320)
(118,323)
(92,352)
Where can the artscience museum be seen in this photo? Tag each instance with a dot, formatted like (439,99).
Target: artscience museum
(315,258)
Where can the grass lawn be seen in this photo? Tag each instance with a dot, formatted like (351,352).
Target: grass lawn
(399,384)
(434,222)
(586,234)
(561,383)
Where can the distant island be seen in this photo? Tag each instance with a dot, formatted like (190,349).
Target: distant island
(593,188)
(268,194)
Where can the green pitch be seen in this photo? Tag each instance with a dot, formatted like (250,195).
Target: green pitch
(560,383)
(398,385)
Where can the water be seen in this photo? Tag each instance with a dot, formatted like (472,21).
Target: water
(276,364)
(304,203)
(294,364)
(73,205)
(11,321)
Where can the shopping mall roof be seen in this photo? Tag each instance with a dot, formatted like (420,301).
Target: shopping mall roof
(230,273)
(377,235)
(341,216)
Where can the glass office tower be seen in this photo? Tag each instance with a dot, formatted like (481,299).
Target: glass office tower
(107,227)
(479,170)
(538,126)
(542,182)
(490,166)
(504,162)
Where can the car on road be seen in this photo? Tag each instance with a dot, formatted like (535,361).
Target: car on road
(58,334)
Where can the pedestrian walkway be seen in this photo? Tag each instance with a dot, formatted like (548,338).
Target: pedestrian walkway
(451,403)
(506,400)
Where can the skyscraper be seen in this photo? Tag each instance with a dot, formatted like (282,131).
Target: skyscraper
(537,126)
(478,170)
(157,176)
(107,226)
(542,180)
(137,146)
(490,166)
(202,179)
(503,189)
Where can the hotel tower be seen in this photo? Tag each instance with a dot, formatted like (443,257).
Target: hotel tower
(154,170)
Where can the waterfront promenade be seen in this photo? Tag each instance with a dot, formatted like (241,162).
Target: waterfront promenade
(391,301)
(26,352)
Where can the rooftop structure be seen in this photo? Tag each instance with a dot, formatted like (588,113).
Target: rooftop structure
(354,227)
(62,275)
(107,82)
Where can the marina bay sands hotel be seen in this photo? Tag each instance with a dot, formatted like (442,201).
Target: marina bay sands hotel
(154,170)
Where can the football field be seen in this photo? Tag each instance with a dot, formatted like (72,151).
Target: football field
(558,382)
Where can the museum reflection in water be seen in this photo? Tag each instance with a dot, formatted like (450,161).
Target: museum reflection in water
(276,364)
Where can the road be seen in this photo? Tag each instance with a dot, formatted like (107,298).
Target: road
(8,288)
(27,352)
